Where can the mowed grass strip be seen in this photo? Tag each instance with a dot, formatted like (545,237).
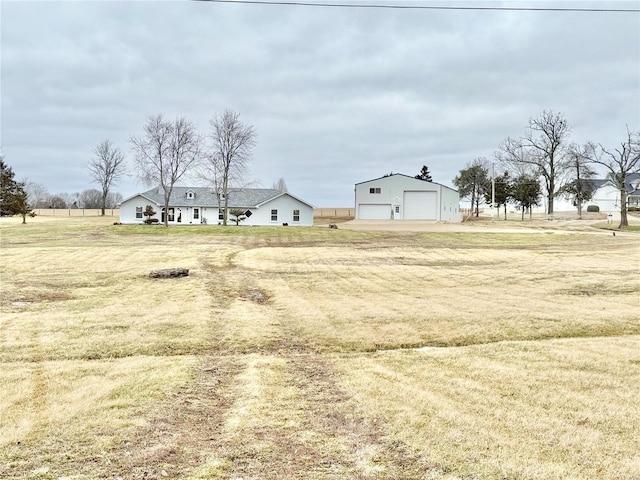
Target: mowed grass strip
(379,298)
(556,409)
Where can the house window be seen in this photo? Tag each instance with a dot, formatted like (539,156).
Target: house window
(274,215)
(375,190)
(220,214)
(296,215)
(196,213)
(190,194)
(138,212)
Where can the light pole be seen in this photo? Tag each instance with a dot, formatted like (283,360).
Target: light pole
(493,188)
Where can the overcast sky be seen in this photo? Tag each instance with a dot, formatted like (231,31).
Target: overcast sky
(337,95)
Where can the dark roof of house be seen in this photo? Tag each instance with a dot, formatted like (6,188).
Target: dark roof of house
(597,183)
(633,180)
(206,197)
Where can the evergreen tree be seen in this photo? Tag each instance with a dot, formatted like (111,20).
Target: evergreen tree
(472,182)
(424,174)
(13,197)
(238,214)
(149,212)
(503,192)
(526,191)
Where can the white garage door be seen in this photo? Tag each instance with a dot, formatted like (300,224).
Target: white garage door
(420,206)
(374,211)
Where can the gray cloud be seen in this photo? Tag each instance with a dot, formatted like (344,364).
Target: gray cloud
(337,96)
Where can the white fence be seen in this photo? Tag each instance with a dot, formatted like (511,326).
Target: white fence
(76,212)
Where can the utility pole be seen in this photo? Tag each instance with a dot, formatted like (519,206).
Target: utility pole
(493,188)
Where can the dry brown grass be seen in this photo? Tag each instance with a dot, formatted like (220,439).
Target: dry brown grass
(537,410)
(283,354)
(385,297)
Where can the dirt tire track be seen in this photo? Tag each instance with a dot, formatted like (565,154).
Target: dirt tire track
(332,440)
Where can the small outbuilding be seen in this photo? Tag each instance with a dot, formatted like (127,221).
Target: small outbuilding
(401,197)
(201,205)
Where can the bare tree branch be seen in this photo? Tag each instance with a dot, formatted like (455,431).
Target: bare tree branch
(165,152)
(106,168)
(581,186)
(232,144)
(544,148)
(621,163)
(280,185)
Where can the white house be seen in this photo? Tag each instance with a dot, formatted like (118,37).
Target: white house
(401,197)
(199,205)
(607,195)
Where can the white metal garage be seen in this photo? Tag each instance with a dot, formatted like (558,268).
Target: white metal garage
(420,205)
(409,197)
(368,211)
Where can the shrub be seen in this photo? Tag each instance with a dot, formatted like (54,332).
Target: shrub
(633,209)
(149,212)
(593,208)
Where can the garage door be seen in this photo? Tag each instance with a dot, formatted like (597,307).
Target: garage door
(374,211)
(420,206)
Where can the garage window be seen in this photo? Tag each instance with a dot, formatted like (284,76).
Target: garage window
(375,190)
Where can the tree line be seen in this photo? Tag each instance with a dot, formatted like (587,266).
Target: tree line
(545,157)
(164,153)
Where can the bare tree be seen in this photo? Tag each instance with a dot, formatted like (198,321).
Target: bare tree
(91,198)
(165,152)
(280,185)
(57,201)
(106,168)
(581,186)
(114,199)
(543,147)
(232,144)
(621,162)
(37,194)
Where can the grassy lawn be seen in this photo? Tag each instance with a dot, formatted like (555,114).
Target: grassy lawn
(314,353)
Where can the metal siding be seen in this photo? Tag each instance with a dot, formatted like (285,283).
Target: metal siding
(374,211)
(420,206)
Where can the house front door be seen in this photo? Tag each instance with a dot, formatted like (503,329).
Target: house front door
(196,215)
(171,216)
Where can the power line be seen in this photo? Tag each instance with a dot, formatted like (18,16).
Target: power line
(425,7)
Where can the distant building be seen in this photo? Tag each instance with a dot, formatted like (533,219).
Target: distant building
(199,205)
(401,197)
(606,195)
